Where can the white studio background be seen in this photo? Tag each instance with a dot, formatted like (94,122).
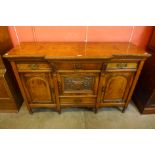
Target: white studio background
(77,13)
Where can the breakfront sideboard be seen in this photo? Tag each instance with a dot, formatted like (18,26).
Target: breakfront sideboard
(59,75)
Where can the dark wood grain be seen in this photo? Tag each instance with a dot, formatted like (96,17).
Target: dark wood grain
(144,94)
(10,96)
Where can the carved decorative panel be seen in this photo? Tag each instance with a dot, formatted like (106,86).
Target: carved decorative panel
(78,83)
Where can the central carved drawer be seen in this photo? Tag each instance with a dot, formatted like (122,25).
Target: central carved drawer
(77,100)
(32,66)
(78,65)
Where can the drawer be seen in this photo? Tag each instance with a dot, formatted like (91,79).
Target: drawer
(124,65)
(77,100)
(32,66)
(78,66)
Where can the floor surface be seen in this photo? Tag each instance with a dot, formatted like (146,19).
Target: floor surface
(77,119)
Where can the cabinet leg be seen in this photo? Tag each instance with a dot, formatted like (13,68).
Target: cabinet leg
(28,107)
(30,111)
(59,110)
(96,110)
(123,110)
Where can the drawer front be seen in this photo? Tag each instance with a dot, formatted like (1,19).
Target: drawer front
(77,100)
(32,66)
(78,66)
(124,65)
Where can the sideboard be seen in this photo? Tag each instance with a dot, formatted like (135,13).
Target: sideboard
(59,75)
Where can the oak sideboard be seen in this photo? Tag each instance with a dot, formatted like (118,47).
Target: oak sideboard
(59,75)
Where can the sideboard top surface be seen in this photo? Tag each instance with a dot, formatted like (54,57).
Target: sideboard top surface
(63,50)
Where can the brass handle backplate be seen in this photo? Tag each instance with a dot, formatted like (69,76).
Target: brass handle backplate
(33,66)
(121,65)
(78,66)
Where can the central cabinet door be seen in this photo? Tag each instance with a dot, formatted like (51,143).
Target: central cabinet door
(38,87)
(115,86)
(80,83)
(78,89)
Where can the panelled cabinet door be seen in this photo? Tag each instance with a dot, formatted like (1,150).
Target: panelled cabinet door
(115,86)
(38,87)
(78,83)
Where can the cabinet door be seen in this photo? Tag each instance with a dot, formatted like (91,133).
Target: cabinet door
(78,83)
(115,86)
(38,87)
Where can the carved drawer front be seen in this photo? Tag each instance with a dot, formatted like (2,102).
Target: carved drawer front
(77,100)
(80,83)
(32,66)
(122,65)
(78,65)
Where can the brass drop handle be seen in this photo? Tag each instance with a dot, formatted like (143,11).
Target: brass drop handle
(33,66)
(77,66)
(78,100)
(121,65)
